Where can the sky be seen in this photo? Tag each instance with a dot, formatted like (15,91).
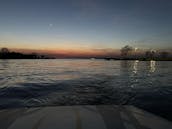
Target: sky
(85,26)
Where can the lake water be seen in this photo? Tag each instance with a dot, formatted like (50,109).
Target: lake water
(145,84)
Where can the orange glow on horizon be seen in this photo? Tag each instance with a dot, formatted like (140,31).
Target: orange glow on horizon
(77,52)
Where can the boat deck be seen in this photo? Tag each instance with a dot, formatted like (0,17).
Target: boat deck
(81,117)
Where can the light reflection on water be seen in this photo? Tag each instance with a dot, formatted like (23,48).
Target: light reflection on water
(73,82)
(152,66)
(135,66)
(48,71)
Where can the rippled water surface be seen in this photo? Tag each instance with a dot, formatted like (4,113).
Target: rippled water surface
(147,85)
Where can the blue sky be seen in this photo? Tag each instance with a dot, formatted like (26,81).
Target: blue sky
(102,24)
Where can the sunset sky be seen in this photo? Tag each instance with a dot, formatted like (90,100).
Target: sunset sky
(85,26)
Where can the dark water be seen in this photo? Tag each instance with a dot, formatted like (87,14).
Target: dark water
(147,85)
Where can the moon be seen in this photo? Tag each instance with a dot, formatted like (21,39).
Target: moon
(50,25)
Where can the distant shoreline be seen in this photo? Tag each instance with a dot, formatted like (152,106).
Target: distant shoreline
(110,59)
(140,59)
(126,54)
(6,54)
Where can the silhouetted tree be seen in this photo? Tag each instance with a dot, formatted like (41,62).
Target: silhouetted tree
(4,50)
(150,54)
(126,50)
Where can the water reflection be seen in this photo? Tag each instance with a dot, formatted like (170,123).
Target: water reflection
(75,82)
(4,63)
(152,66)
(135,66)
(129,67)
(125,67)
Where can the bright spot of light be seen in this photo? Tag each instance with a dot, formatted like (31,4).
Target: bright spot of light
(135,49)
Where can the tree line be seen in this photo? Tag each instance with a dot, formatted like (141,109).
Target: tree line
(6,54)
(128,52)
